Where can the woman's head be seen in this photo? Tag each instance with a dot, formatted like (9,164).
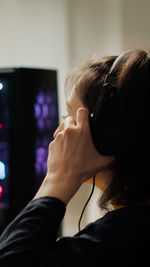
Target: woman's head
(85,81)
(130,182)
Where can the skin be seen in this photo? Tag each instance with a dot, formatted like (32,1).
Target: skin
(72,157)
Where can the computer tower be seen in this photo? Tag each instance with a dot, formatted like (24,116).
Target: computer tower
(29,116)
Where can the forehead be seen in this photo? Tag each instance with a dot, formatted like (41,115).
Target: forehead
(77,82)
(73,101)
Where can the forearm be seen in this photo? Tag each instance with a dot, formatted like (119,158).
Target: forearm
(59,186)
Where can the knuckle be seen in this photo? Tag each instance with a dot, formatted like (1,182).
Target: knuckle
(50,145)
(68,131)
(59,135)
(57,138)
(55,133)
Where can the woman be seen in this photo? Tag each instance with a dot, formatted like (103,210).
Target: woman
(120,237)
(82,89)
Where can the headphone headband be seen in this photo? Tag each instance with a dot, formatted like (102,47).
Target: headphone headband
(111,77)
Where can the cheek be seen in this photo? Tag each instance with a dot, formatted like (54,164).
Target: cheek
(73,104)
(72,111)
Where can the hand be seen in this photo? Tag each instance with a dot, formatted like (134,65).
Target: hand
(72,157)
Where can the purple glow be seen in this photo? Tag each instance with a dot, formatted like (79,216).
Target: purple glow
(40,124)
(45,110)
(49,99)
(41,154)
(49,123)
(38,168)
(45,114)
(52,111)
(45,166)
(40,98)
(37,110)
(45,142)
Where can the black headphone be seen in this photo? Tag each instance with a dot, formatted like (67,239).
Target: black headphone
(103,120)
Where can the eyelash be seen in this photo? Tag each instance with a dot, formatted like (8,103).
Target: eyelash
(64,117)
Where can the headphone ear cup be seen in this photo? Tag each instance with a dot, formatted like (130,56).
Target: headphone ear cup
(102,122)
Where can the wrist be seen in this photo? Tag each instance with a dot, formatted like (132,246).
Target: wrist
(62,189)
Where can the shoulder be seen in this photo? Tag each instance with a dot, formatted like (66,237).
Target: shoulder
(120,230)
(120,236)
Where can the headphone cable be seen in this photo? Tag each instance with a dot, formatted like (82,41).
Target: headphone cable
(79,223)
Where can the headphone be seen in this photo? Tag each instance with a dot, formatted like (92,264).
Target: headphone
(103,120)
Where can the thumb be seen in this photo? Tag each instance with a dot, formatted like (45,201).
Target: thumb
(82,117)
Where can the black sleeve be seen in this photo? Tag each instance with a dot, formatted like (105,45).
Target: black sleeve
(32,233)
(31,240)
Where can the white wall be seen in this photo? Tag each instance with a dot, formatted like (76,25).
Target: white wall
(136,24)
(95,28)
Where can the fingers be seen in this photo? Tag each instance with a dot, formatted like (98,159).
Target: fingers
(82,117)
(82,120)
(59,129)
(69,122)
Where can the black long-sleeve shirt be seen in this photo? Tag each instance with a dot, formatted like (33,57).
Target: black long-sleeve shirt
(120,238)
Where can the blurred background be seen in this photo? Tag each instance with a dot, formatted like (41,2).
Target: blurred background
(58,34)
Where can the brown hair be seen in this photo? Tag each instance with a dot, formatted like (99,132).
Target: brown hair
(88,79)
(130,183)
